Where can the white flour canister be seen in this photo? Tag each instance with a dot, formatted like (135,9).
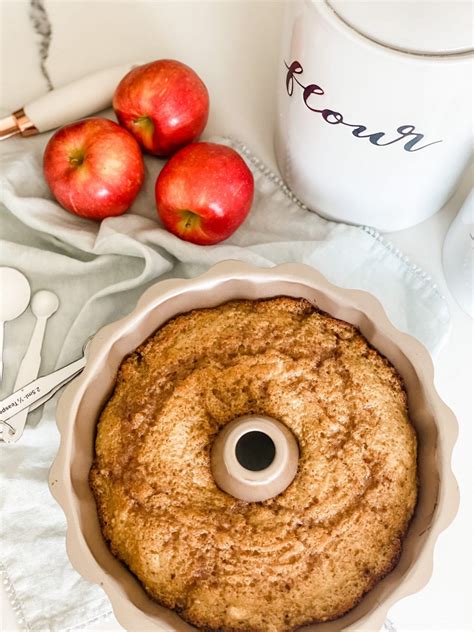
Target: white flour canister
(375,105)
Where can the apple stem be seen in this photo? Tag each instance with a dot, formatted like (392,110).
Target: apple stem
(145,123)
(77,158)
(190,220)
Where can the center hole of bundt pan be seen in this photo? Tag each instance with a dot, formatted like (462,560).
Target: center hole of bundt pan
(254,458)
(255,451)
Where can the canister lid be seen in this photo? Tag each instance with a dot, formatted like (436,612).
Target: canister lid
(417,26)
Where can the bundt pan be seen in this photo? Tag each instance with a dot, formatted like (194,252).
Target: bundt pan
(82,401)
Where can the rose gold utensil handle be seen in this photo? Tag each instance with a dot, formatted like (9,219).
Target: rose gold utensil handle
(69,103)
(16,123)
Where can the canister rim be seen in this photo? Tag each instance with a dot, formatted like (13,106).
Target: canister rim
(380,23)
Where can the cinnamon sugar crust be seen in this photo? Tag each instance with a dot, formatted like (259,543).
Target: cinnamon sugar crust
(307,555)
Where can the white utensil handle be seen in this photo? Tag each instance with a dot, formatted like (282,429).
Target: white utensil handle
(38,389)
(30,364)
(42,400)
(77,99)
(28,370)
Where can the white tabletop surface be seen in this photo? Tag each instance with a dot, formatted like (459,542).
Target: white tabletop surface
(234,47)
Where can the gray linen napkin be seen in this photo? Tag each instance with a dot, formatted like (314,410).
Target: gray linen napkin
(98,271)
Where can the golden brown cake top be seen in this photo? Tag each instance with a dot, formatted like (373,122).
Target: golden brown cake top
(308,554)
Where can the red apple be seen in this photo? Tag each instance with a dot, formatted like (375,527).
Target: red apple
(204,192)
(164,104)
(94,168)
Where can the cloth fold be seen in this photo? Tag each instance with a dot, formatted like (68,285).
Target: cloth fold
(98,271)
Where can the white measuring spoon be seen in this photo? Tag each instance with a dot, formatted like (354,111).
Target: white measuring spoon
(15,295)
(43,305)
(37,392)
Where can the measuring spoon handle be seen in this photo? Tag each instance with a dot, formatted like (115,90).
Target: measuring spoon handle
(39,388)
(31,362)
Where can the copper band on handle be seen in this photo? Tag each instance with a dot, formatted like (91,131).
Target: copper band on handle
(17,123)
